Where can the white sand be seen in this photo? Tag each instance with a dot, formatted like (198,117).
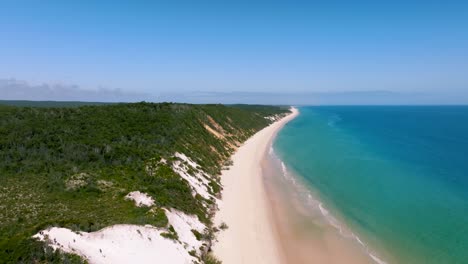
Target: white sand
(130,243)
(251,237)
(197,179)
(118,244)
(183,225)
(140,199)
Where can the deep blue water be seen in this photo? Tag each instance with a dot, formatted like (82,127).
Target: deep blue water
(397,175)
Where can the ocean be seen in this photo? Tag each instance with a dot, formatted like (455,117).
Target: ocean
(395,177)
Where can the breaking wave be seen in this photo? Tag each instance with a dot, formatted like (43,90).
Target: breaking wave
(316,204)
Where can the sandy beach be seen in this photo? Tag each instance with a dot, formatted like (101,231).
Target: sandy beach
(245,208)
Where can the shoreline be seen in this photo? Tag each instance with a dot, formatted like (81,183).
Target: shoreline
(251,236)
(307,236)
(268,220)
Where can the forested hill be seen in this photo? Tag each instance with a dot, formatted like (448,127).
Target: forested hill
(72,167)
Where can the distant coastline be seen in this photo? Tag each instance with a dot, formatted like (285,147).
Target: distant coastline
(28,103)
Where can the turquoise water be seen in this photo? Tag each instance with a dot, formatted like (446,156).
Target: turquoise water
(396,175)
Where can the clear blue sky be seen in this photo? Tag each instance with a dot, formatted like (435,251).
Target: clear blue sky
(250,46)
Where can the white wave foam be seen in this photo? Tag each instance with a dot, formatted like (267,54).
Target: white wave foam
(333,120)
(325,213)
(285,171)
(376,259)
(359,240)
(335,223)
(323,210)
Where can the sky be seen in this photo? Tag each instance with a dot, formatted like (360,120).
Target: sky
(382,52)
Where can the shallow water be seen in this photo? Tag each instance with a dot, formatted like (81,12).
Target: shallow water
(395,178)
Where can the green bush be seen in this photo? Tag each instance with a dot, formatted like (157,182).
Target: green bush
(198,235)
(211,259)
(223,226)
(172,234)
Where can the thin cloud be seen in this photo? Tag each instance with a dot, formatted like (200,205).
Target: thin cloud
(12,89)
(316,98)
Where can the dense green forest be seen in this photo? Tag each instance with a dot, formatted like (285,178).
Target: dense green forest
(42,148)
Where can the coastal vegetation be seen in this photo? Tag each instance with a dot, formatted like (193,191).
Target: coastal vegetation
(73,166)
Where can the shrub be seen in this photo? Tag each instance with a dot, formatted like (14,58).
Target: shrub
(211,259)
(197,234)
(157,217)
(172,234)
(223,226)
